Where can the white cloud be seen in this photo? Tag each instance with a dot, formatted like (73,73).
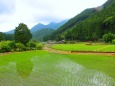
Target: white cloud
(32,12)
(7,6)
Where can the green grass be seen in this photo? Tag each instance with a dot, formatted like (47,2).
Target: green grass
(41,68)
(84,47)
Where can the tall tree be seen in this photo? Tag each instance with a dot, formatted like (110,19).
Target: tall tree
(22,34)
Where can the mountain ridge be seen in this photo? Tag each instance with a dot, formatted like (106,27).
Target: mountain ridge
(40,26)
(81,27)
(51,25)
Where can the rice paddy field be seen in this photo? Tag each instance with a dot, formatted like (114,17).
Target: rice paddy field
(42,68)
(97,47)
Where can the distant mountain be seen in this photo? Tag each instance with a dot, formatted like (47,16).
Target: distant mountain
(91,24)
(51,25)
(40,26)
(39,31)
(40,34)
(10,32)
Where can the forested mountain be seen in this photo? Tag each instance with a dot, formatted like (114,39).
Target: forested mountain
(51,25)
(89,25)
(75,20)
(40,34)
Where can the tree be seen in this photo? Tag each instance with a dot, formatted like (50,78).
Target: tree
(1,36)
(108,37)
(22,34)
(9,36)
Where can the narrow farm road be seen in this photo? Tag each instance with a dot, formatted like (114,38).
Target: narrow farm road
(48,48)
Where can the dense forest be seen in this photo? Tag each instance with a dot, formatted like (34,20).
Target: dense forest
(4,36)
(89,25)
(40,34)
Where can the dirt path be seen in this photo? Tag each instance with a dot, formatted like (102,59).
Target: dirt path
(47,48)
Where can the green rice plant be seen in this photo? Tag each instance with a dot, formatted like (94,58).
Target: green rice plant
(84,47)
(41,68)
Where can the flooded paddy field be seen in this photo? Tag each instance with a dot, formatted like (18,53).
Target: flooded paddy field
(40,68)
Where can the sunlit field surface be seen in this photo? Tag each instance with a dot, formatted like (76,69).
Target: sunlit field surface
(41,68)
(86,47)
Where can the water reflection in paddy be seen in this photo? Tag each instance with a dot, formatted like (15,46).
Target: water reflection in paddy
(39,71)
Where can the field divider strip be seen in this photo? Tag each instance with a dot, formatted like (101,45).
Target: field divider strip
(90,52)
(49,49)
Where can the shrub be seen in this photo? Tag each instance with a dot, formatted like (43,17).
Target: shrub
(108,37)
(20,47)
(72,42)
(5,47)
(31,45)
(113,41)
(65,42)
(39,46)
(12,45)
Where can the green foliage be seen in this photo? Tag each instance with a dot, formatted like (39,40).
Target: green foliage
(108,37)
(31,45)
(4,36)
(9,46)
(35,40)
(22,34)
(39,46)
(9,37)
(5,46)
(20,47)
(93,28)
(34,45)
(113,41)
(108,24)
(12,45)
(1,36)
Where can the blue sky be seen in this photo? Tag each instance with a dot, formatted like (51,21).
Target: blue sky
(31,12)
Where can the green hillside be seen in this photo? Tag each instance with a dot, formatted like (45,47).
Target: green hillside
(52,25)
(89,25)
(40,34)
(80,17)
